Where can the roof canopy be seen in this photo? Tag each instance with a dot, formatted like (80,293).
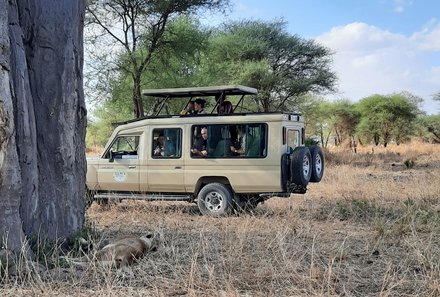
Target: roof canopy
(200,91)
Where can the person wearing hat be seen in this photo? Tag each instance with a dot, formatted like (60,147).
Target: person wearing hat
(199,105)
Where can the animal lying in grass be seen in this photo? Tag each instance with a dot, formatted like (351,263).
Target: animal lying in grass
(119,254)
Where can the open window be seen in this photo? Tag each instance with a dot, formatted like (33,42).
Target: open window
(123,147)
(229,141)
(167,143)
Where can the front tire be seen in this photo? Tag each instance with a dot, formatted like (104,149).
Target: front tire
(215,200)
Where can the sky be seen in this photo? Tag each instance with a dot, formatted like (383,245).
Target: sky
(380,46)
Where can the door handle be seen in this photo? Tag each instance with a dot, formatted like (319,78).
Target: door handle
(131,167)
(178,167)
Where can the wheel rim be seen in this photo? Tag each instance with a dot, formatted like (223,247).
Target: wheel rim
(318,165)
(306,166)
(214,201)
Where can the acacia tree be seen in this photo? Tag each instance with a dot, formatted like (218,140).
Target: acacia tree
(173,65)
(343,119)
(42,120)
(137,28)
(386,118)
(263,55)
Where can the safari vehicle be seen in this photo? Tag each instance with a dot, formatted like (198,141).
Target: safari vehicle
(250,157)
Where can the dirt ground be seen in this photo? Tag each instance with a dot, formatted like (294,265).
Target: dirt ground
(370,228)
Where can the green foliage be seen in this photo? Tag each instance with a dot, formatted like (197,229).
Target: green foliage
(315,119)
(263,55)
(171,67)
(311,141)
(428,128)
(137,31)
(99,130)
(324,118)
(248,53)
(386,118)
(343,118)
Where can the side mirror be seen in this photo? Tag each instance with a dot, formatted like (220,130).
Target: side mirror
(112,158)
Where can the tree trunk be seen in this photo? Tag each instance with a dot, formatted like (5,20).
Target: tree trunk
(42,119)
(138,111)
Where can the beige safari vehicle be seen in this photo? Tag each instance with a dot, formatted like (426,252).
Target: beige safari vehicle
(222,161)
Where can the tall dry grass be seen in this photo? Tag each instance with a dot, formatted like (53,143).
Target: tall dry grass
(370,228)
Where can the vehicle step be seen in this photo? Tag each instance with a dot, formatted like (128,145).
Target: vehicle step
(151,197)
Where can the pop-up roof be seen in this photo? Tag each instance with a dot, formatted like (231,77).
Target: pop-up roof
(220,93)
(201,91)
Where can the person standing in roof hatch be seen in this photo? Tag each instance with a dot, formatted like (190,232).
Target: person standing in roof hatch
(189,110)
(199,106)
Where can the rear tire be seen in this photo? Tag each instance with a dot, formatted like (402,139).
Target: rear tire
(301,166)
(215,199)
(317,164)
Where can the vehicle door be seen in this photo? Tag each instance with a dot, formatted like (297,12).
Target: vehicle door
(165,161)
(118,169)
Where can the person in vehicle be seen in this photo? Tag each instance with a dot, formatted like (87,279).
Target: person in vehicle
(239,145)
(225,107)
(199,106)
(200,147)
(189,109)
(159,146)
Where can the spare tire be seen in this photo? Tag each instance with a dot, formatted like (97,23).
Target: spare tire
(300,169)
(317,164)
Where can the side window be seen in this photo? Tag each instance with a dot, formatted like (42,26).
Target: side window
(167,143)
(257,140)
(124,147)
(229,141)
(293,138)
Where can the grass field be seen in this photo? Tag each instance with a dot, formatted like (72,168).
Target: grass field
(370,228)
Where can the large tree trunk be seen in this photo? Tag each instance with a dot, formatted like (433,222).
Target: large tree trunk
(42,119)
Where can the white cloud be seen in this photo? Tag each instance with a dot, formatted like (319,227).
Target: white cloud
(369,60)
(429,37)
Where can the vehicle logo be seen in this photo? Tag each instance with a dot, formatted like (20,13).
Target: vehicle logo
(120,176)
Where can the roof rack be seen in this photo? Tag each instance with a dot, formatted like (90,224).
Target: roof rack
(226,90)
(115,124)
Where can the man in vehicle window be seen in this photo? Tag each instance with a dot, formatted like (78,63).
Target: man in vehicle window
(159,146)
(200,145)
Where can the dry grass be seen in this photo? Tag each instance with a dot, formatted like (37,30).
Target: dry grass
(370,228)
